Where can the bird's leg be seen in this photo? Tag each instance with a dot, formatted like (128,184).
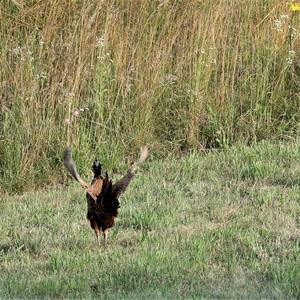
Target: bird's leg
(105,233)
(97,231)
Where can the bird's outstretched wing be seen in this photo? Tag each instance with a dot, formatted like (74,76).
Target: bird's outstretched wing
(71,167)
(120,186)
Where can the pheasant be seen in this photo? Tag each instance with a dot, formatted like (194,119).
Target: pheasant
(102,195)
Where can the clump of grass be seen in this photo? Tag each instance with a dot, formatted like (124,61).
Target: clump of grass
(189,228)
(168,74)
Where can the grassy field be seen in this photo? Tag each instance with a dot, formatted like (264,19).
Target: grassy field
(217,224)
(182,77)
(173,75)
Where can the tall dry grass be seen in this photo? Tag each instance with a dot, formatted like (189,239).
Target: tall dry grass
(171,74)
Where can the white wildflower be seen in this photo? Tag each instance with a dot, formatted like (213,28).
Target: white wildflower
(280,22)
(75,113)
(171,78)
(16,50)
(42,75)
(291,56)
(284,16)
(100,41)
(293,31)
(69,95)
(278,25)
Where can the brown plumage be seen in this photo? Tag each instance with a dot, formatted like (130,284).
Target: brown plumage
(102,195)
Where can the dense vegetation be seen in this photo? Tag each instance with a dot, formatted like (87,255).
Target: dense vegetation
(211,87)
(218,225)
(174,75)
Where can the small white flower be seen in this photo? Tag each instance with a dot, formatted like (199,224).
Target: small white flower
(42,75)
(81,109)
(17,50)
(284,16)
(278,25)
(291,56)
(69,95)
(292,52)
(100,41)
(67,121)
(280,22)
(171,78)
(75,113)
(293,31)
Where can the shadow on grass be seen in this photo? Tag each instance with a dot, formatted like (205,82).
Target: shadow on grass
(30,246)
(5,248)
(286,182)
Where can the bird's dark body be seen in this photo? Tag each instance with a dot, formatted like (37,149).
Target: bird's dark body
(99,217)
(104,210)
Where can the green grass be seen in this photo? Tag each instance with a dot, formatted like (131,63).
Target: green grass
(217,224)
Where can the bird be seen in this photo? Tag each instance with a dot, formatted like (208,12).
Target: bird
(102,195)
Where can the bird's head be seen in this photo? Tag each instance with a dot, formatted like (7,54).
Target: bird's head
(97,169)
